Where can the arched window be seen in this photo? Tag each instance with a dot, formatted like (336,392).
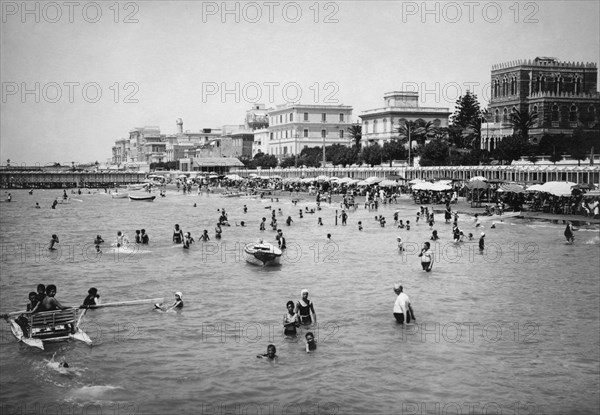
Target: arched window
(384,125)
(497,116)
(505,115)
(366,127)
(592,116)
(374,126)
(573,115)
(555,115)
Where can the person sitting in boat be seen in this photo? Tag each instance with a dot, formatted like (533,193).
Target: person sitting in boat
(178,303)
(53,242)
(271,353)
(188,240)
(121,240)
(304,309)
(177,235)
(98,240)
(93,298)
(49,303)
(290,320)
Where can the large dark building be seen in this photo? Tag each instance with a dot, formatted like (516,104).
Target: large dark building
(564,94)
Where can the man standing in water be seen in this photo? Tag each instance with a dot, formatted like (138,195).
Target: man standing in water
(426,257)
(402,308)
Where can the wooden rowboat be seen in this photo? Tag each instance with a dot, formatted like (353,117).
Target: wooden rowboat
(120,195)
(142,198)
(49,326)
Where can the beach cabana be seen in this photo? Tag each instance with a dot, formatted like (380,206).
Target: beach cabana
(478,189)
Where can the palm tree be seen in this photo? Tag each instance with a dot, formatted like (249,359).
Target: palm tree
(408,131)
(522,122)
(355,131)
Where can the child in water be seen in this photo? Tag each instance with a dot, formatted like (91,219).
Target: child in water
(271,353)
(188,240)
(360,227)
(311,344)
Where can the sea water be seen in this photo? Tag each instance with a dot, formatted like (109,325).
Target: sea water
(514,329)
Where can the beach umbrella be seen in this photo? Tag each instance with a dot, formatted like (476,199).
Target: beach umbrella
(182,176)
(322,178)
(423,186)
(478,184)
(415,181)
(536,188)
(388,183)
(374,179)
(440,187)
(480,178)
(363,183)
(233,177)
(511,187)
(558,188)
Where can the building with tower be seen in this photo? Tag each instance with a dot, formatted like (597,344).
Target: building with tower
(563,94)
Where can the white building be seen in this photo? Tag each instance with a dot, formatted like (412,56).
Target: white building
(380,125)
(293,127)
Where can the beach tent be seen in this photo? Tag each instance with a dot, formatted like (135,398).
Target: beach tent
(478,189)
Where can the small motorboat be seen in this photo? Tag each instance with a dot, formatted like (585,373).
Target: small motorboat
(120,195)
(49,326)
(142,198)
(262,253)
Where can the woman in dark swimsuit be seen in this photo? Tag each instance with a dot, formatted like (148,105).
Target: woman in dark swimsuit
(304,309)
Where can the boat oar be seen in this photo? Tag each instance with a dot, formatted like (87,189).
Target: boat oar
(124,303)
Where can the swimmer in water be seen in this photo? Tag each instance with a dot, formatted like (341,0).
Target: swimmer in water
(569,233)
(426,257)
(400,244)
(53,242)
(188,240)
(311,344)
(177,235)
(482,242)
(98,240)
(360,227)
(470,236)
(122,240)
(37,205)
(271,353)
(204,237)
(320,222)
(434,236)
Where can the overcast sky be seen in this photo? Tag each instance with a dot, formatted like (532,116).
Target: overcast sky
(99,70)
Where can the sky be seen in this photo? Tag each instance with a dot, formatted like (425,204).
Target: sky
(76,76)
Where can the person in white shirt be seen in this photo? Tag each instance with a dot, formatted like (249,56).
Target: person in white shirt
(402,308)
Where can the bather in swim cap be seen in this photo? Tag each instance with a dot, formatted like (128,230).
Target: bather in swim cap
(179,294)
(397,286)
(482,233)
(398,238)
(304,291)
